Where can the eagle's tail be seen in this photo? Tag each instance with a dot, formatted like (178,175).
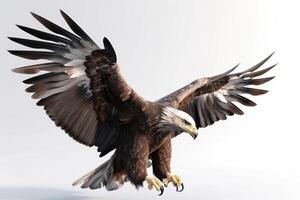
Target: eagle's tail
(100,177)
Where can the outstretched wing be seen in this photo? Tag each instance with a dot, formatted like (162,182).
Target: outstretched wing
(82,85)
(212,99)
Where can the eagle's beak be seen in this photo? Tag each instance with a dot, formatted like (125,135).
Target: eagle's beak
(192,131)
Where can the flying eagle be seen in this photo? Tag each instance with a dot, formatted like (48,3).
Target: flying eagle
(84,93)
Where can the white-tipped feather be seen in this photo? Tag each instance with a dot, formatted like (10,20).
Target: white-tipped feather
(47,93)
(89,45)
(220,95)
(77,72)
(80,53)
(76,62)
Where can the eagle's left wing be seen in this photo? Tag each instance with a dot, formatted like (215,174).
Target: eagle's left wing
(81,89)
(212,99)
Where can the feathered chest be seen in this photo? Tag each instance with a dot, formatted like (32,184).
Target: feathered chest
(157,140)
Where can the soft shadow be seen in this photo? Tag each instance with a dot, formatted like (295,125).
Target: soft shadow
(36,193)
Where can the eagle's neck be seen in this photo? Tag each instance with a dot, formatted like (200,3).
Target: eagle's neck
(165,122)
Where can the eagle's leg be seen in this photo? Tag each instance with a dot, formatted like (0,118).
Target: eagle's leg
(137,161)
(161,162)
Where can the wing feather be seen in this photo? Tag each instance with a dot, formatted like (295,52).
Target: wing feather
(59,30)
(33,69)
(45,36)
(41,45)
(35,55)
(75,28)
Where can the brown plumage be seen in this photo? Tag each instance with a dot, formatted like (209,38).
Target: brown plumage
(84,93)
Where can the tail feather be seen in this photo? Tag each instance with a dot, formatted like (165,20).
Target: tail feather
(100,177)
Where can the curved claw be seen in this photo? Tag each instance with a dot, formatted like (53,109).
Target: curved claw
(180,190)
(161,190)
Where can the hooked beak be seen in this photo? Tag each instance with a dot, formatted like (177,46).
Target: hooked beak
(192,131)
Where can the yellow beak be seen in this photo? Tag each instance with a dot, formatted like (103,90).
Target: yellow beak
(192,131)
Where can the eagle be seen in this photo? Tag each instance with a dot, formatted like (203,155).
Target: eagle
(83,91)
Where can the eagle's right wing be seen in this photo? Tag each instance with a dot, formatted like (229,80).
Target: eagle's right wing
(82,86)
(212,99)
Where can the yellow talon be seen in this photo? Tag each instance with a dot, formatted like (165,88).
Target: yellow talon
(156,183)
(176,181)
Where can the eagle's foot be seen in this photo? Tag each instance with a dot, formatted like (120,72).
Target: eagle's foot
(156,183)
(177,182)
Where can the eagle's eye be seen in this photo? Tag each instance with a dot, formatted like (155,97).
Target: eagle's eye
(186,122)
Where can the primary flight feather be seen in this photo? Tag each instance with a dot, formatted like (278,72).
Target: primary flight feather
(84,93)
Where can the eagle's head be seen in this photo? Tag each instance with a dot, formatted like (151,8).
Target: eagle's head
(178,121)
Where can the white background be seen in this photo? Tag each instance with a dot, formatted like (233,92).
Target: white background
(162,45)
